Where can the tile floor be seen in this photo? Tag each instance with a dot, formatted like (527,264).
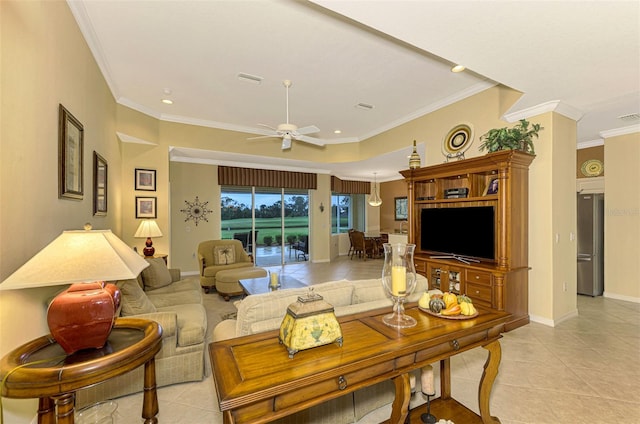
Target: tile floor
(584,370)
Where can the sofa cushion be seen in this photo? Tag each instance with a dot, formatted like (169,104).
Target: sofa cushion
(192,323)
(161,300)
(224,255)
(156,275)
(134,300)
(368,290)
(273,306)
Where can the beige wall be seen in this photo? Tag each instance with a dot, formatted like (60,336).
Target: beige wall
(622,217)
(44,61)
(189,180)
(389,191)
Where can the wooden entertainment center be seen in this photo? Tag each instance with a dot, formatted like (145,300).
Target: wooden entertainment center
(501,283)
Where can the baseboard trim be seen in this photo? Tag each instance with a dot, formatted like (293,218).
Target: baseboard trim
(621,297)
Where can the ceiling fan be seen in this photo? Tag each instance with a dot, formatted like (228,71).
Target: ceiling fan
(288,131)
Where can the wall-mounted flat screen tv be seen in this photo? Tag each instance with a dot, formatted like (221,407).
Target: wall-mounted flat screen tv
(461,231)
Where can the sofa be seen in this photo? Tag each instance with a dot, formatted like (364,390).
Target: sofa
(159,294)
(264,312)
(220,255)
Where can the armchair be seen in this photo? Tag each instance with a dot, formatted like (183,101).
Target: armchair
(219,255)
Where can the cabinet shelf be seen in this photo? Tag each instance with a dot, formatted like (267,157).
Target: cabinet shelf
(486,198)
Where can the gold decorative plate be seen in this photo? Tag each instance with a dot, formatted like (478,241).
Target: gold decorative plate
(592,168)
(430,312)
(458,140)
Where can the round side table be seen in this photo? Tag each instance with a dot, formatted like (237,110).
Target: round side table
(42,369)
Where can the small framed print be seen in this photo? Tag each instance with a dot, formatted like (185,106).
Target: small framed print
(145,179)
(99,185)
(492,187)
(401,208)
(70,151)
(146,207)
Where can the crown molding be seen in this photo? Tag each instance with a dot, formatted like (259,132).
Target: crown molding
(473,90)
(552,106)
(590,143)
(620,131)
(125,138)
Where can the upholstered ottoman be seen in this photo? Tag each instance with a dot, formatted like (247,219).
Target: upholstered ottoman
(227,281)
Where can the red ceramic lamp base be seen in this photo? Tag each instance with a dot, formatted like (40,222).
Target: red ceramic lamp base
(82,316)
(149,250)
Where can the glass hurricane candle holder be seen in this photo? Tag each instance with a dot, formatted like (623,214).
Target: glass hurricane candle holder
(399,281)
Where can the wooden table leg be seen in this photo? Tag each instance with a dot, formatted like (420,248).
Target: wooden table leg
(46,411)
(445,379)
(486,382)
(400,407)
(150,401)
(64,408)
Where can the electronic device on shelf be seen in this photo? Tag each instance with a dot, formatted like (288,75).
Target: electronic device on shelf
(456,193)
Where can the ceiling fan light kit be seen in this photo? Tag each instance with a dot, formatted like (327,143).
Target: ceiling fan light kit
(289,131)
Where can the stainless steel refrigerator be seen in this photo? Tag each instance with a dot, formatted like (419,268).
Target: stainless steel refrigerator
(590,238)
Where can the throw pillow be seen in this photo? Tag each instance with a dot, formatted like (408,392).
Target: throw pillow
(156,275)
(224,255)
(134,300)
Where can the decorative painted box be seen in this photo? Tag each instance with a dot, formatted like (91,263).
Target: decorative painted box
(309,322)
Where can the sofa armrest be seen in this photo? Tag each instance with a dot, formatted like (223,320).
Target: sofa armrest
(224,330)
(167,320)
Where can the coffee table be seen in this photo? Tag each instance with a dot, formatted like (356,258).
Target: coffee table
(261,285)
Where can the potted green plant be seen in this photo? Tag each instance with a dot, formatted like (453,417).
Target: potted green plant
(520,137)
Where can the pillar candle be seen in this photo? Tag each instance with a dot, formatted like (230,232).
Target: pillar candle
(426,380)
(398,280)
(274,279)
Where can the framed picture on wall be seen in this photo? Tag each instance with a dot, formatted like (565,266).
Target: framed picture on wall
(99,185)
(145,179)
(70,145)
(146,207)
(401,208)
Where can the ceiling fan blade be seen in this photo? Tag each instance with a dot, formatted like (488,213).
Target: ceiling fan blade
(310,140)
(308,130)
(267,126)
(286,143)
(263,136)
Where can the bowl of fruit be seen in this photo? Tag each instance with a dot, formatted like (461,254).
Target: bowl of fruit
(447,305)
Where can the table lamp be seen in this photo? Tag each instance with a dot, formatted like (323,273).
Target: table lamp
(147,229)
(82,316)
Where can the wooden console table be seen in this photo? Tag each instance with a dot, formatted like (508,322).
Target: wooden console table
(372,352)
(42,369)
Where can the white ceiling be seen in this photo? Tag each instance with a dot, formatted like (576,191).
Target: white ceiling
(394,55)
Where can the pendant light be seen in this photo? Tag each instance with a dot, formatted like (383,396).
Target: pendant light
(374,199)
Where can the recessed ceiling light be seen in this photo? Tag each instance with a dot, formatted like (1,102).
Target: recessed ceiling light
(337,131)
(458,68)
(167,101)
(364,106)
(254,79)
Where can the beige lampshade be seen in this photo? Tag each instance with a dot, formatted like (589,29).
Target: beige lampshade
(78,256)
(148,228)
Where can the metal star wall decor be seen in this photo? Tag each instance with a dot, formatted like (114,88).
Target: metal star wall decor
(196,211)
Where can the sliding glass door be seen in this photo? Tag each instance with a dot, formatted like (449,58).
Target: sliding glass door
(275,221)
